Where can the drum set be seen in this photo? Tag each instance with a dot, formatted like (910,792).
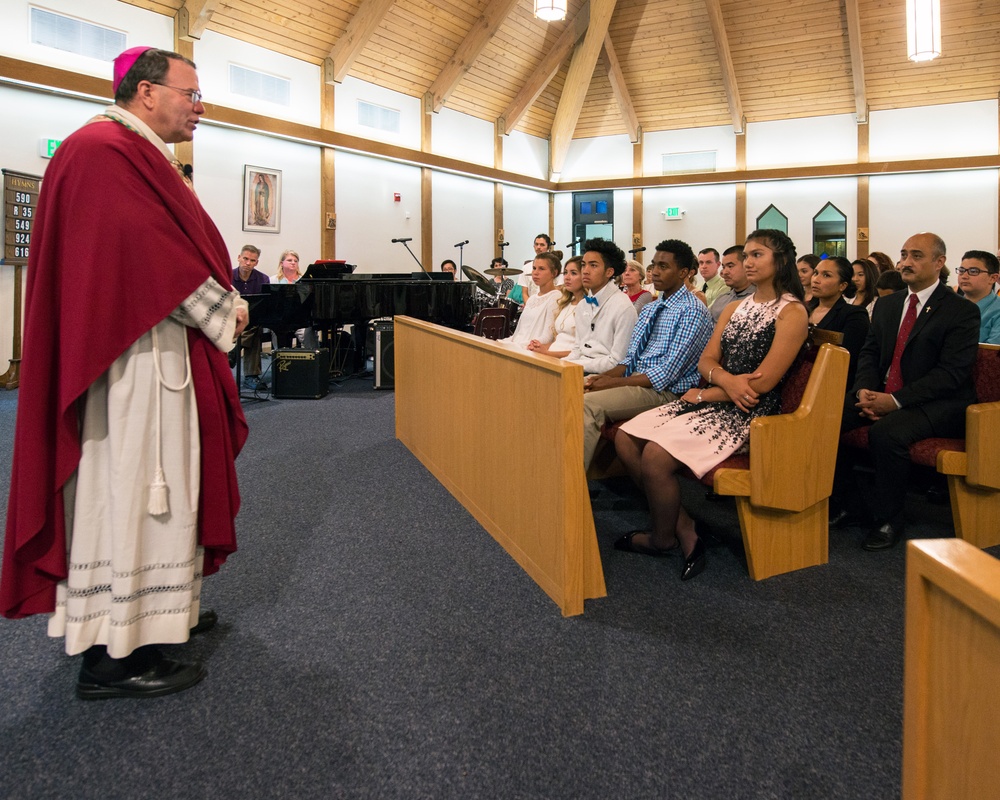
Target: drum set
(487,293)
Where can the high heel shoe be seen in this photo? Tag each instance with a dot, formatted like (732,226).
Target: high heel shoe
(694,564)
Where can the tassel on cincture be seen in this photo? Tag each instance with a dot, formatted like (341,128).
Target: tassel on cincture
(158,502)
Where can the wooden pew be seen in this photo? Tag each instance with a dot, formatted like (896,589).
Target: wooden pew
(783,496)
(452,389)
(951,701)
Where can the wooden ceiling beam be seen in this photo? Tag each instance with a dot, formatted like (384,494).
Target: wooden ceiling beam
(581,72)
(359,31)
(620,90)
(483,29)
(193,18)
(714,9)
(545,71)
(857,60)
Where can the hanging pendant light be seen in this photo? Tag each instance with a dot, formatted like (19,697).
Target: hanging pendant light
(550,10)
(923,29)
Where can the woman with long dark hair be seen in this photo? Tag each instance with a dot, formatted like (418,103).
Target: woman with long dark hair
(865,282)
(754,343)
(829,311)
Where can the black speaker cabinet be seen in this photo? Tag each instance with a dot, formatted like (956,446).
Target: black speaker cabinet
(301,374)
(385,359)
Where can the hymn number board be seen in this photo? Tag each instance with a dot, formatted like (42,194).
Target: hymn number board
(20,200)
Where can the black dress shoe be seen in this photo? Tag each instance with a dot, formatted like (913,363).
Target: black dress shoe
(206,621)
(883,537)
(162,678)
(694,564)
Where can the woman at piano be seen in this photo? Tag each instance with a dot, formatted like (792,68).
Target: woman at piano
(289,272)
(539,315)
(288,268)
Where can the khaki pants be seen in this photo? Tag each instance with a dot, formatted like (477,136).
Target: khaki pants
(615,405)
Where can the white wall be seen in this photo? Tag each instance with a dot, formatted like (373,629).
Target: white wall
(708,221)
(221,154)
(525,215)
(368,218)
(960,207)
(957,129)
(720,138)
(215,52)
(599,157)
(800,201)
(27,118)
(461,136)
(623,219)
(345,112)
(463,209)
(562,215)
(793,142)
(526,154)
(140,27)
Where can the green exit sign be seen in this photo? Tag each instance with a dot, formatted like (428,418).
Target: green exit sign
(47,147)
(673,212)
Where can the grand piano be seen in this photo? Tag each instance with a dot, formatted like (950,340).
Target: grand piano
(355,299)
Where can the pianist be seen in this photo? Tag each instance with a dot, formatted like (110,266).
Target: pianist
(248,280)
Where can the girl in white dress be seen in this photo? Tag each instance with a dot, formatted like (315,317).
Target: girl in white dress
(564,327)
(539,315)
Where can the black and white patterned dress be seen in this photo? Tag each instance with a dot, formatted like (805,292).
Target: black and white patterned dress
(704,434)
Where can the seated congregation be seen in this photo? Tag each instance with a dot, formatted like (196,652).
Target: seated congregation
(683,389)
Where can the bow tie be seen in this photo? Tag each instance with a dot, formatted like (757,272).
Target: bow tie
(591,300)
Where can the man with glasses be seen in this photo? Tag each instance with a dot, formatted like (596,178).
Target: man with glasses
(128,416)
(977,278)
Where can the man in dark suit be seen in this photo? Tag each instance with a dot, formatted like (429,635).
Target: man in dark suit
(914,378)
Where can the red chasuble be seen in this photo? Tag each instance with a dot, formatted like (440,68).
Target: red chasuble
(119,242)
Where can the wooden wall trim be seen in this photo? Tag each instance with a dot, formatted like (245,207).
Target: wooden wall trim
(864,221)
(37,77)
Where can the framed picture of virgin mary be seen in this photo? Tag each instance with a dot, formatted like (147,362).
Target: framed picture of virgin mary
(261,199)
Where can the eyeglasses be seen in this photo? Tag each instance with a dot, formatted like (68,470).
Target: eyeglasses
(193,94)
(973,271)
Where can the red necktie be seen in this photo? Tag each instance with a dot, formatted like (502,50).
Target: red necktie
(894,380)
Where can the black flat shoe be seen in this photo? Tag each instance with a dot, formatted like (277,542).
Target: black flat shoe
(627,545)
(694,564)
(162,678)
(206,621)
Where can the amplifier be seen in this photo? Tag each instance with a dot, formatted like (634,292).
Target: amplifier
(385,359)
(300,374)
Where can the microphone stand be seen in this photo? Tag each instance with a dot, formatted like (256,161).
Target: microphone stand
(502,246)
(637,250)
(572,246)
(408,250)
(461,247)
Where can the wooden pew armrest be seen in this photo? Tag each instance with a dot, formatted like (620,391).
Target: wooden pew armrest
(982,444)
(792,456)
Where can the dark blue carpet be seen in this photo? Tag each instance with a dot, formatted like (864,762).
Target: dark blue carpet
(376,642)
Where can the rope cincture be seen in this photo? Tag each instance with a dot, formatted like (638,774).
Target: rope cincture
(159,497)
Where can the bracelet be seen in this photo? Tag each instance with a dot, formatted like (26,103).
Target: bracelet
(713,369)
(698,398)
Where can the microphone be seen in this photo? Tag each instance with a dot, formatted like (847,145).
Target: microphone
(402,241)
(638,250)
(462,244)
(504,244)
(575,242)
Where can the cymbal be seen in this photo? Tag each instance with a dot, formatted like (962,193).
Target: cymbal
(480,280)
(504,271)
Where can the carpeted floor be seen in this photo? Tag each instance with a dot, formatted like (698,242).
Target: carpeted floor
(375,642)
